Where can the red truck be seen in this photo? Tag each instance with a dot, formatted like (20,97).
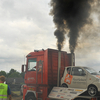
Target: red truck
(42,73)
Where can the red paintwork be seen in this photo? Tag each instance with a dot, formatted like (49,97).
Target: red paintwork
(50,67)
(24,91)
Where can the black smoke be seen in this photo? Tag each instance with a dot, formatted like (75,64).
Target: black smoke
(69,17)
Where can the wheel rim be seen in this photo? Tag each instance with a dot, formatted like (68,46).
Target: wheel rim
(30,98)
(92,91)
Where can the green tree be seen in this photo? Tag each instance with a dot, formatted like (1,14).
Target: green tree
(13,73)
(3,73)
(22,74)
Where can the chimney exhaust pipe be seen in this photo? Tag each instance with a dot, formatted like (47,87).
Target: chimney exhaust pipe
(59,66)
(72,59)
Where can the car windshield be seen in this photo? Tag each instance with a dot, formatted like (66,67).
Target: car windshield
(91,71)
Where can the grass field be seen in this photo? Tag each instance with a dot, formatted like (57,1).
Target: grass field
(16,92)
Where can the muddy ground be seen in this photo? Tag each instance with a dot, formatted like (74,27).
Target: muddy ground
(17,98)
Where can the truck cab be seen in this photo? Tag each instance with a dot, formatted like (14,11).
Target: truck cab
(41,71)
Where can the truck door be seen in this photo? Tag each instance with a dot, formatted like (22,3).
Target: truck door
(33,74)
(39,72)
(79,78)
(30,76)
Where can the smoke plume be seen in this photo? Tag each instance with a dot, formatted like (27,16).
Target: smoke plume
(70,16)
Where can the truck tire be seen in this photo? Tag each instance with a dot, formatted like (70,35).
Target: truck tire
(92,90)
(30,97)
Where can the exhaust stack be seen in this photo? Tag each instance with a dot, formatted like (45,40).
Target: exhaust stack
(72,59)
(59,66)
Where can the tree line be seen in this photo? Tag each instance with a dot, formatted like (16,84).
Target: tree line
(12,74)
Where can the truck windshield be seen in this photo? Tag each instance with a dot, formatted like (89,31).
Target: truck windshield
(91,71)
(32,64)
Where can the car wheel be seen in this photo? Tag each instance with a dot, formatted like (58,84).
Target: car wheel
(64,85)
(92,90)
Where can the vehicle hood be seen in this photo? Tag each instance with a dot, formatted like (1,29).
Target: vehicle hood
(96,76)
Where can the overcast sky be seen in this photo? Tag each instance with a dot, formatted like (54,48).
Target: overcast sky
(26,25)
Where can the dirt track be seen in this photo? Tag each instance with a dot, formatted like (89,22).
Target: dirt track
(17,98)
(16,95)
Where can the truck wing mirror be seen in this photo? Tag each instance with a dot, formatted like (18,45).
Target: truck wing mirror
(23,68)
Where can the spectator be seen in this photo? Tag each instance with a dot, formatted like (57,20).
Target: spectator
(4,89)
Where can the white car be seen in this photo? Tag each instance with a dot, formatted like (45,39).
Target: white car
(81,77)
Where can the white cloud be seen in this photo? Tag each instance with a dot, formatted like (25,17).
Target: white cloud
(26,25)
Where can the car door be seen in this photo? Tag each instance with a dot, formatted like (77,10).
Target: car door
(79,78)
(67,76)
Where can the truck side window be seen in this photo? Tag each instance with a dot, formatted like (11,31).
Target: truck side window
(32,64)
(77,71)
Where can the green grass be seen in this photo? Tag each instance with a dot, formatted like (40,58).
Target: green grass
(16,92)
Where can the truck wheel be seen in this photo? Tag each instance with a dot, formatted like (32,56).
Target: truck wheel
(30,97)
(92,90)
